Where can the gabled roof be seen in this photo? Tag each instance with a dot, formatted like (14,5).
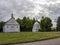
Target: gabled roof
(36,25)
(12,20)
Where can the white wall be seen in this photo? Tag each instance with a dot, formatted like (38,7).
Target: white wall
(9,28)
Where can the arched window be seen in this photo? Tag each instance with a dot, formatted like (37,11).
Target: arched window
(7,26)
(17,26)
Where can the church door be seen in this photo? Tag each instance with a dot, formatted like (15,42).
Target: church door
(12,28)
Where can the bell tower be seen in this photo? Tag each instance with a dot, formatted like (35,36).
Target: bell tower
(12,15)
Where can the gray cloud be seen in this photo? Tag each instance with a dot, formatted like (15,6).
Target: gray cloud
(20,8)
(29,8)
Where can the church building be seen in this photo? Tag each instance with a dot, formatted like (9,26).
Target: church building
(36,27)
(11,25)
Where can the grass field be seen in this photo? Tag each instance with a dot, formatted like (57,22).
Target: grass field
(26,36)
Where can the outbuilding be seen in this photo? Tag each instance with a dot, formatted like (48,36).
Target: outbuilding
(36,27)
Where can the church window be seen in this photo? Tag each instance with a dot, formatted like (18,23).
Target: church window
(7,26)
(17,26)
(12,26)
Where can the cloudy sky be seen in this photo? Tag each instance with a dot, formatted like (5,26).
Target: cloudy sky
(30,8)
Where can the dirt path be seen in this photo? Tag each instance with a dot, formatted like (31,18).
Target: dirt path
(46,42)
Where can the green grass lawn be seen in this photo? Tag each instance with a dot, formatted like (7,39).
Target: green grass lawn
(26,36)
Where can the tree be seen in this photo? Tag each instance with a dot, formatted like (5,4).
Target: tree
(58,24)
(46,24)
(29,24)
(26,24)
(1,26)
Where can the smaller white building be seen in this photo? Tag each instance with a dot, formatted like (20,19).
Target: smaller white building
(36,27)
(11,25)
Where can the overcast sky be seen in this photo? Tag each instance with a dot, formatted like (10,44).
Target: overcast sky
(29,8)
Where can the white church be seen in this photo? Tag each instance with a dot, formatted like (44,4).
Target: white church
(36,27)
(11,25)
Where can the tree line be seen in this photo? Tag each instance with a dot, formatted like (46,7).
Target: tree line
(26,24)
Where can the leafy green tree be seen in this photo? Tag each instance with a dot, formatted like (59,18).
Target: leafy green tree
(46,24)
(23,24)
(26,24)
(29,24)
(58,24)
(1,26)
